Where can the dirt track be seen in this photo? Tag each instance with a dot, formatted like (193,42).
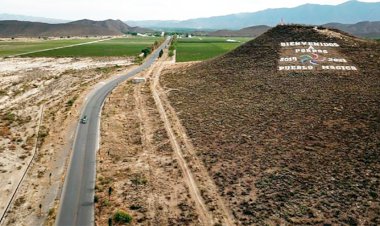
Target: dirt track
(137,161)
(185,152)
(148,103)
(207,218)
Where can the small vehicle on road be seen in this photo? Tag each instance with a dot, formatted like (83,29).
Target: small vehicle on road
(84,120)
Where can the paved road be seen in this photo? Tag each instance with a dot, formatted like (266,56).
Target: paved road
(77,199)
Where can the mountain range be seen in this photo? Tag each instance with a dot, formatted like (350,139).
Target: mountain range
(363,29)
(13,28)
(6,16)
(349,12)
(253,31)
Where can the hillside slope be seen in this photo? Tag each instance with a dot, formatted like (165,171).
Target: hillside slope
(13,28)
(288,147)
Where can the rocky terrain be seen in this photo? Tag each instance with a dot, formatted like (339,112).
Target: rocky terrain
(287,147)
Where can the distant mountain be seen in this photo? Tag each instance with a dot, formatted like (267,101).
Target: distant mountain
(253,31)
(348,12)
(5,16)
(114,26)
(363,29)
(13,28)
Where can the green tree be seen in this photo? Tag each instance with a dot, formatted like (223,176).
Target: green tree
(146,51)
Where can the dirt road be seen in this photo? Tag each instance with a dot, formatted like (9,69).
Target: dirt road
(206,216)
(186,156)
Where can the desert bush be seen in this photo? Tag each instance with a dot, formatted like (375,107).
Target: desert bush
(51,211)
(10,117)
(122,217)
(139,180)
(3,92)
(70,102)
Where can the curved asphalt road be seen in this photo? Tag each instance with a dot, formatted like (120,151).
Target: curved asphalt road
(77,199)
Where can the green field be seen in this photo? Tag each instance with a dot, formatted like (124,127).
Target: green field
(115,47)
(203,48)
(8,48)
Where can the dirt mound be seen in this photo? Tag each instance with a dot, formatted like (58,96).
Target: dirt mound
(296,146)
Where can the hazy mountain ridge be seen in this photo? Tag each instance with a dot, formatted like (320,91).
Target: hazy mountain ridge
(253,31)
(363,29)
(348,12)
(13,28)
(6,16)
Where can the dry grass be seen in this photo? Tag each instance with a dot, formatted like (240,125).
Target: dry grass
(286,149)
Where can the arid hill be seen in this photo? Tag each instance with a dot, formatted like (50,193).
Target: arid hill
(253,31)
(299,146)
(13,28)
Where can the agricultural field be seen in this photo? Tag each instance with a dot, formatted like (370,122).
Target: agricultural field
(109,48)
(203,48)
(8,48)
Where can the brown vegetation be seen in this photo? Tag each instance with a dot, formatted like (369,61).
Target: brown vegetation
(292,147)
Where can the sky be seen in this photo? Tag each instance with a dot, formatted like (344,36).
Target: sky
(145,9)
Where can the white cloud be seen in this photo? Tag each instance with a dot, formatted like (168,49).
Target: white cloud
(144,9)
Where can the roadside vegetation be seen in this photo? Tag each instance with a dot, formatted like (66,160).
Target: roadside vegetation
(148,50)
(173,46)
